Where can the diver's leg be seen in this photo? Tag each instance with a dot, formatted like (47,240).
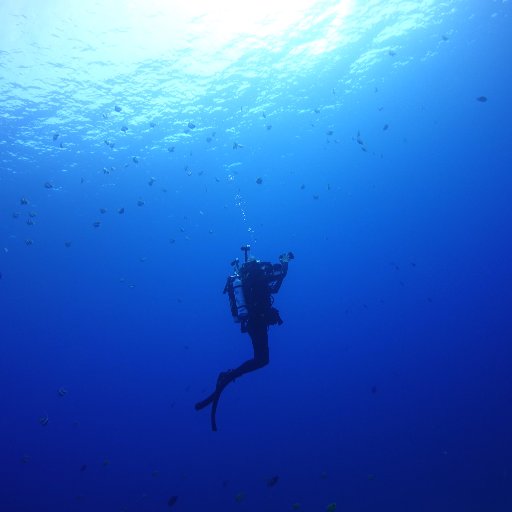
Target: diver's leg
(259,337)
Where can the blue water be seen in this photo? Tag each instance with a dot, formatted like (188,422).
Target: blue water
(389,385)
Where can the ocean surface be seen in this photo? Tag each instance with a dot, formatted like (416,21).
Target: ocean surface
(142,143)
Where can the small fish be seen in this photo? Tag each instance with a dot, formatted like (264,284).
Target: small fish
(316,111)
(48,185)
(172,501)
(55,136)
(103,210)
(135,160)
(259,181)
(117,108)
(124,128)
(140,202)
(120,211)
(151,181)
(329,132)
(63,391)
(385,127)
(391,53)
(152,125)
(269,127)
(67,243)
(23,200)
(272,481)
(170,149)
(482,99)
(331,507)
(191,125)
(96,224)
(28,241)
(43,420)
(83,467)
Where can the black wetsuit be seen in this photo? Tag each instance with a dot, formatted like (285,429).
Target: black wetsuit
(260,280)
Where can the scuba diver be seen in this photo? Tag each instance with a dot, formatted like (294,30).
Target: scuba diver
(250,290)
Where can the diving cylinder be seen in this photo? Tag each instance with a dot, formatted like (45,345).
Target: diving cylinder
(241,307)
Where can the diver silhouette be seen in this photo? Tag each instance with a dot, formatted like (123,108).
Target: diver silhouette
(250,290)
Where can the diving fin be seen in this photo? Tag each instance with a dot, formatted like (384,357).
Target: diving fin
(214,412)
(204,403)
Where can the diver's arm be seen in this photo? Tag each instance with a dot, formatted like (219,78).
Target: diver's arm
(277,276)
(279,271)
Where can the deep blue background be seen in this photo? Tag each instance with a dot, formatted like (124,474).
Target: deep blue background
(389,386)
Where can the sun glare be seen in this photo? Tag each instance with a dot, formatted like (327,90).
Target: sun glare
(211,26)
